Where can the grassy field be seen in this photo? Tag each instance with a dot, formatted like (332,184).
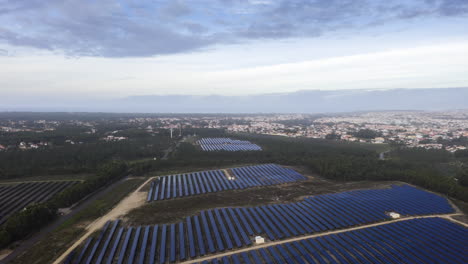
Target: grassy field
(51,246)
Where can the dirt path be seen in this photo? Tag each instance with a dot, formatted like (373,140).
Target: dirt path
(131,201)
(199,260)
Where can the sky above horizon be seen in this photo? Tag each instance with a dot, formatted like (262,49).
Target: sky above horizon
(117,48)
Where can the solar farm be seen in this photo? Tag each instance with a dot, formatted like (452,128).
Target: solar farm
(15,197)
(383,225)
(227,144)
(175,186)
(427,240)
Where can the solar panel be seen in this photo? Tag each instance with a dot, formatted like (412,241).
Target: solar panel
(141,258)
(125,245)
(134,245)
(162,248)
(154,242)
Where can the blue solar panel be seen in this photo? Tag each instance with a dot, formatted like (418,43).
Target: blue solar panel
(206,182)
(180,186)
(114,247)
(209,238)
(242,218)
(425,240)
(156,190)
(134,245)
(182,253)
(215,230)
(106,244)
(190,184)
(219,242)
(192,250)
(200,182)
(252,222)
(174,186)
(276,218)
(245,238)
(246,258)
(128,235)
(225,233)
(168,187)
(154,242)
(232,231)
(303,252)
(186,189)
(266,215)
(235,259)
(201,244)
(173,246)
(226,144)
(150,193)
(195,183)
(265,228)
(83,251)
(162,248)
(141,259)
(163,188)
(285,254)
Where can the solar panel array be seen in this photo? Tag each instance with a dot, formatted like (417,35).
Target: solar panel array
(15,197)
(427,240)
(227,144)
(218,230)
(174,186)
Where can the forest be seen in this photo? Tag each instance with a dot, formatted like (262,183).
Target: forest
(87,153)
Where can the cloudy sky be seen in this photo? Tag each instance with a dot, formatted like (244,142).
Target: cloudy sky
(118,48)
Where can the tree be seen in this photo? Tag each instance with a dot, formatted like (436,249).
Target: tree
(462,176)
(332,136)
(367,134)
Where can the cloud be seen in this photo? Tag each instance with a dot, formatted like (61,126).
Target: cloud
(113,28)
(453,7)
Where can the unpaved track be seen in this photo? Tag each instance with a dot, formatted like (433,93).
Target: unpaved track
(131,201)
(198,260)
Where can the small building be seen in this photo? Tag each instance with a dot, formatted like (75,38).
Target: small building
(394,215)
(259,240)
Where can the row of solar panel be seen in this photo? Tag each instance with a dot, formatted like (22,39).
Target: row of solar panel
(429,240)
(215,141)
(245,147)
(15,197)
(223,229)
(227,144)
(173,186)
